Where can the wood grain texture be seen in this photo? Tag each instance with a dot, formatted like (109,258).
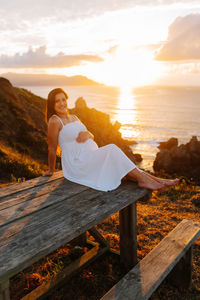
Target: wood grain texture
(39,225)
(24,204)
(147,275)
(26,194)
(98,237)
(29,184)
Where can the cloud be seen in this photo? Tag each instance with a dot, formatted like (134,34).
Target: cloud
(183,41)
(61,10)
(68,10)
(112,49)
(40,59)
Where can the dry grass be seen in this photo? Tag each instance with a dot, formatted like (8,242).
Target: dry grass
(156,218)
(17,167)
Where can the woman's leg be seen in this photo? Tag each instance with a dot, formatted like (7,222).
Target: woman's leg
(148,181)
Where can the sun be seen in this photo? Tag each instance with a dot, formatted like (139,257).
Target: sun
(134,67)
(126,67)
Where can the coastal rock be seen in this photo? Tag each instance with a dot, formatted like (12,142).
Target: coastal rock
(163,161)
(172,142)
(181,160)
(194,145)
(138,157)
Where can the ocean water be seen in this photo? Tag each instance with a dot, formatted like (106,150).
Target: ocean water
(148,115)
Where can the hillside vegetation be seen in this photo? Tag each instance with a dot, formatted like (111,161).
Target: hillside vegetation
(23,142)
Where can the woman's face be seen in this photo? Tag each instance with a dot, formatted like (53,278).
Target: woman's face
(60,105)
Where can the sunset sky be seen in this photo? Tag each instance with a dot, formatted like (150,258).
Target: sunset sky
(116,42)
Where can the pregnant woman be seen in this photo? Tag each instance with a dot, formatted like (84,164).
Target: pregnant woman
(82,160)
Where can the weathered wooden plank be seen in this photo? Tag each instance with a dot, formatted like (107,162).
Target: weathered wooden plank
(147,275)
(29,184)
(128,236)
(98,237)
(24,195)
(28,239)
(49,216)
(63,189)
(76,203)
(78,264)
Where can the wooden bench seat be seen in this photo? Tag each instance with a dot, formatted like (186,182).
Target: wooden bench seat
(142,280)
(40,215)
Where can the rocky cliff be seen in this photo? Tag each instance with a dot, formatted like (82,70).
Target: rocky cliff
(181,160)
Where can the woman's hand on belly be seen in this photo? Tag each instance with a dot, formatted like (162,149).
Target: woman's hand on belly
(83,136)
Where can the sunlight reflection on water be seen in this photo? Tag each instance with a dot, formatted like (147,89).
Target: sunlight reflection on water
(126,112)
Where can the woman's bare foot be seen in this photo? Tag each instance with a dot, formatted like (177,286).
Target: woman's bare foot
(150,183)
(166,182)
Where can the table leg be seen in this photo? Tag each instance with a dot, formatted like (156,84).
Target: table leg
(4,290)
(128,236)
(181,275)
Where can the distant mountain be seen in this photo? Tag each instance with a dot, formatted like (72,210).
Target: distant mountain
(18,79)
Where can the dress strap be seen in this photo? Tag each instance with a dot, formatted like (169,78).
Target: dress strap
(59,119)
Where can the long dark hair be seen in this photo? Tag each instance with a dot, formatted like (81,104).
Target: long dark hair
(51,102)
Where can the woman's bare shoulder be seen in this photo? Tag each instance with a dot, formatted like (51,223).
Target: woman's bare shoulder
(54,121)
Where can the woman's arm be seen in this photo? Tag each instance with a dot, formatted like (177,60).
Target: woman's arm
(53,131)
(83,136)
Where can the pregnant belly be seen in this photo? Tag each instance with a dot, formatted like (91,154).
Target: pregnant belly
(84,149)
(89,145)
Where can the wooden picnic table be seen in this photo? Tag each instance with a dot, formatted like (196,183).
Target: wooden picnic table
(40,215)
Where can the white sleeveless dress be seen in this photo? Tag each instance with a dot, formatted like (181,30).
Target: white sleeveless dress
(84,163)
